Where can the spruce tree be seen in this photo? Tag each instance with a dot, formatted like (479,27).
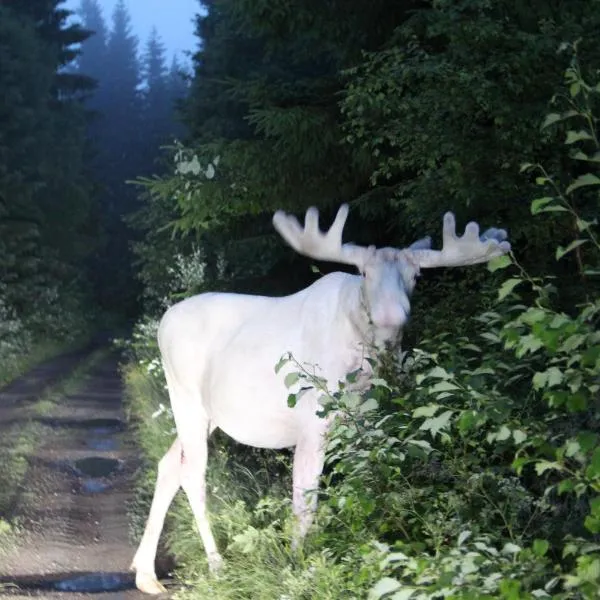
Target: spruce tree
(44,192)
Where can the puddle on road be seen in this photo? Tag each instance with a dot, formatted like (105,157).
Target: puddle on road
(96,582)
(104,426)
(83,582)
(94,471)
(94,486)
(101,444)
(97,466)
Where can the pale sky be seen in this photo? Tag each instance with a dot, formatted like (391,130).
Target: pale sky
(174,20)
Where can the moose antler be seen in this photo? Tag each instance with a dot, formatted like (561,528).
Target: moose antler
(469,249)
(311,241)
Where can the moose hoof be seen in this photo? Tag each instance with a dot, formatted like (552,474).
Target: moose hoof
(147,583)
(215,562)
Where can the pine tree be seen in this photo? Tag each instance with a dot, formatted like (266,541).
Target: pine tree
(177,80)
(158,107)
(92,59)
(45,196)
(178,89)
(122,106)
(116,135)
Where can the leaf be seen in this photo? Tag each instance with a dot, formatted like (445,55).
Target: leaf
(508,286)
(572,342)
(593,470)
(540,547)
(533,315)
(577,136)
(467,420)
(545,465)
(439,373)
(435,424)
(384,586)
(379,382)
(566,485)
(488,335)
(584,225)
(463,536)
(550,119)
(510,548)
(575,88)
(554,208)
(282,361)
(538,204)
(572,448)
(423,444)
(519,462)
(500,262)
(583,181)
(503,433)
(560,251)
(403,594)
(368,406)
(548,378)
(425,411)
(291,379)
(519,436)
(443,386)
(210,171)
(529,343)
(472,347)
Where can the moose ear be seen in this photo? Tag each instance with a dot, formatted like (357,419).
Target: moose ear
(422,244)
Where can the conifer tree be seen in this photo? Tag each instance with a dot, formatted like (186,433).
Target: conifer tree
(44,192)
(158,105)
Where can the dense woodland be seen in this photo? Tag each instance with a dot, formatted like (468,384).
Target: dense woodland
(474,470)
(83,110)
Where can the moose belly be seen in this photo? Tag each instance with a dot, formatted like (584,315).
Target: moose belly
(252,413)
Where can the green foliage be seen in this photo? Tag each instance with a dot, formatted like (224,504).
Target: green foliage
(45,234)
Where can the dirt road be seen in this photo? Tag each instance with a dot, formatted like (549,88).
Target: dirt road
(73,539)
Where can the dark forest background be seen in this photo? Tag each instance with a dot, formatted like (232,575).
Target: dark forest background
(85,107)
(404,109)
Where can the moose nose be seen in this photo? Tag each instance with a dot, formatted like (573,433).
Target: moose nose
(389,316)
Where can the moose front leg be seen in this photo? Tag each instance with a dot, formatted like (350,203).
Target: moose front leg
(309,458)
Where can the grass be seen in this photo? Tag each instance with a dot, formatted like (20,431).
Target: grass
(20,440)
(249,496)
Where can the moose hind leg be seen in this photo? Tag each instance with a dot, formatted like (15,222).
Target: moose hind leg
(193,481)
(167,484)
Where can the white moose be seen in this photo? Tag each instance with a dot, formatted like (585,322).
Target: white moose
(219,352)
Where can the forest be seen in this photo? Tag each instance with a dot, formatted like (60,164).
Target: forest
(470,467)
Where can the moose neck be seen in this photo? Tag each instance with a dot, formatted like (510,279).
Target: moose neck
(373,338)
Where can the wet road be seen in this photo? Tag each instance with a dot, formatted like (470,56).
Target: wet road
(74,540)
